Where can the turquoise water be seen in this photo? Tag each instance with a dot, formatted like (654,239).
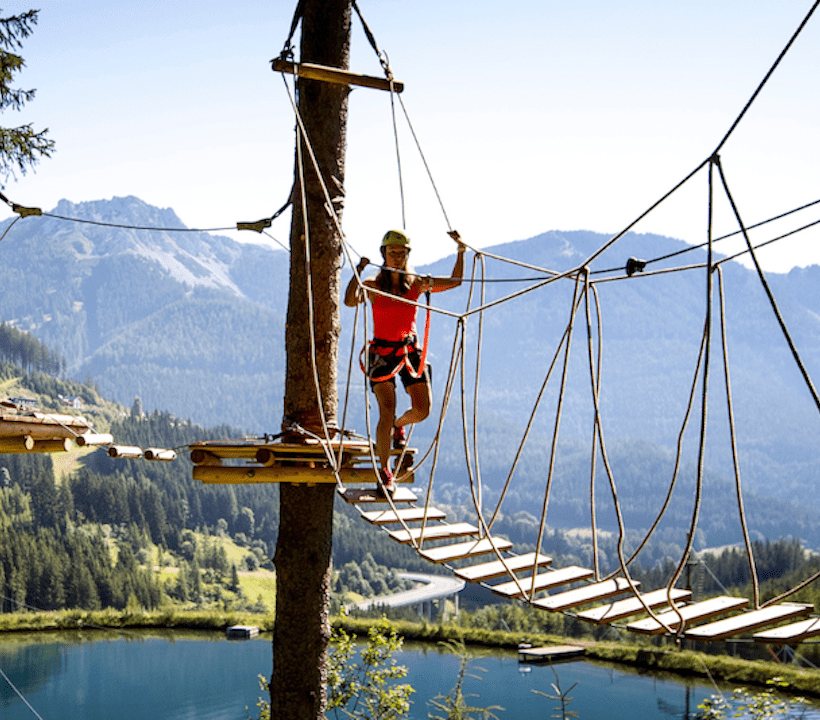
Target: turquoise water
(202,676)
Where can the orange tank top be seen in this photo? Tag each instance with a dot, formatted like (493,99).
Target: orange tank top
(394,320)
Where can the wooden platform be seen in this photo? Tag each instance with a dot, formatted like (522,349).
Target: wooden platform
(27,432)
(257,460)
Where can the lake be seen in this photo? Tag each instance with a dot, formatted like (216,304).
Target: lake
(96,675)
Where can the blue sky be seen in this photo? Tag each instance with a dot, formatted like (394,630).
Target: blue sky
(533,115)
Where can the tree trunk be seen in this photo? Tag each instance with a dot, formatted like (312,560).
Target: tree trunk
(303,549)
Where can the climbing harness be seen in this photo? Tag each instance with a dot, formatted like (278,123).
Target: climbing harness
(400,348)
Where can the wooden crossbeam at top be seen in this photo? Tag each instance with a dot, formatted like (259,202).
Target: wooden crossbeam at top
(335,75)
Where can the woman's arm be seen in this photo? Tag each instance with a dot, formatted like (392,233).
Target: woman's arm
(354,294)
(440,284)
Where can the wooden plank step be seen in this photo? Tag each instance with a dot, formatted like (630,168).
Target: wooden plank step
(369,495)
(434,532)
(544,581)
(793,633)
(705,610)
(586,594)
(746,622)
(387,517)
(497,568)
(604,614)
(448,553)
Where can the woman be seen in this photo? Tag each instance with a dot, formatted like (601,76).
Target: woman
(394,349)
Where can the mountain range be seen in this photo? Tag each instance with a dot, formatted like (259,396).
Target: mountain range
(193,323)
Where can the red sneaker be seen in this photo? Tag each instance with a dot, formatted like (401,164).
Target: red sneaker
(399,438)
(386,482)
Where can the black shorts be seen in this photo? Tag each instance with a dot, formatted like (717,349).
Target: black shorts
(380,365)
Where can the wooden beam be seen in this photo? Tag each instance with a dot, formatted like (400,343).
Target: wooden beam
(225,475)
(24,443)
(202,452)
(159,454)
(621,609)
(95,439)
(497,568)
(334,75)
(50,446)
(27,444)
(125,451)
(204,457)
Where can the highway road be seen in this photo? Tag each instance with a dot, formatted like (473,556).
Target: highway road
(433,587)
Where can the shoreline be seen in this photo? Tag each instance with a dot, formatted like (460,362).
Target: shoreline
(683,662)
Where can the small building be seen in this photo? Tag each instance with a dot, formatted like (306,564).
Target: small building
(73,401)
(24,402)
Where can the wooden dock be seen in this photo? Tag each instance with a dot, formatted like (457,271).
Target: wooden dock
(550,653)
(235,632)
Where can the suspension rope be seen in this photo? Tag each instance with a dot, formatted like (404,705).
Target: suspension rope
(426,164)
(733,444)
(766,78)
(595,378)
(768,290)
(19,694)
(700,246)
(690,540)
(557,424)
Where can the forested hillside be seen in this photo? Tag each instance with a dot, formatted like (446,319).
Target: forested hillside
(193,324)
(117,531)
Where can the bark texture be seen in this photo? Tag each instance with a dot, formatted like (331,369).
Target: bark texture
(303,550)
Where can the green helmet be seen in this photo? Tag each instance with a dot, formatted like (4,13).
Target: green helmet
(396,237)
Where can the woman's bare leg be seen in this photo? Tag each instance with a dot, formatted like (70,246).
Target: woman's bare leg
(386,397)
